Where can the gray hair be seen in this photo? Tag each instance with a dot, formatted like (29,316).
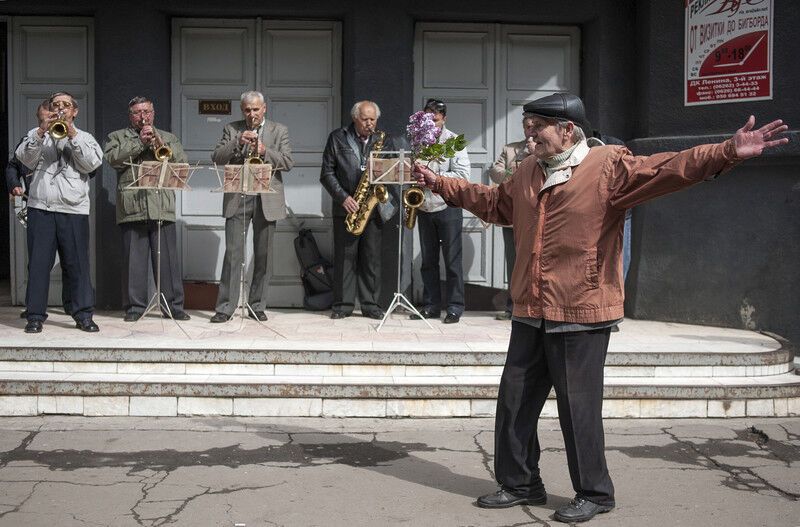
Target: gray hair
(356,110)
(139,100)
(577,132)
(252,95)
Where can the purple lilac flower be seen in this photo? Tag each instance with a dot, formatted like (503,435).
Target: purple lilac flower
(421,130)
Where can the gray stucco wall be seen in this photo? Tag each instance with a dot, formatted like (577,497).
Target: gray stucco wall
(701,255)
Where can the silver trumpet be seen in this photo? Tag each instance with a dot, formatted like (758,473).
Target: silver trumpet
(22,216)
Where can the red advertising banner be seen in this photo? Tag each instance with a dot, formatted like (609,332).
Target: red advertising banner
(728,51)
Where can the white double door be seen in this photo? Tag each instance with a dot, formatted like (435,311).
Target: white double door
(486,73)
(297,65)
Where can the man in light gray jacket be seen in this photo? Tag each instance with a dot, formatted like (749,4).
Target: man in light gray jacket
(239,141)
(440,229)
(58,211)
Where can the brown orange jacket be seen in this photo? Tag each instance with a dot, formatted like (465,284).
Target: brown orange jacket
(568,237)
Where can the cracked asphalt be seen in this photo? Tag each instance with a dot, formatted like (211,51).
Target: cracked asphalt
(248,472)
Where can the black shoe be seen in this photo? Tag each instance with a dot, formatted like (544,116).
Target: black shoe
(377,314)
(580,510)
(503,499)
(426,313)
(179,315)
(452,318)
(87,325)
(339,314)
(505,315)
(614,328)
(33,326)
(132,316)
(220,317)
(24,314)
(257,315)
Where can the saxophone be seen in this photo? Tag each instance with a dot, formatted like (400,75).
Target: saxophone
(367,196)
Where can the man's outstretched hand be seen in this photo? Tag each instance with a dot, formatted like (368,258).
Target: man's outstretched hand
(750,143)
(424,175)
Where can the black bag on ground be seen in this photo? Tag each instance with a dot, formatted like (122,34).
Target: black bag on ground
(316,272)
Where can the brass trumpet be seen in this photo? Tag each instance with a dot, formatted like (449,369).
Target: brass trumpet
(58,129)
(161,150)
(252,156)
(413,197)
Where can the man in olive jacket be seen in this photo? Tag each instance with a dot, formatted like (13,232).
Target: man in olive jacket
(140,210)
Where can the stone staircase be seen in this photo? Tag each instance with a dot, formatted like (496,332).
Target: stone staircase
(297,367)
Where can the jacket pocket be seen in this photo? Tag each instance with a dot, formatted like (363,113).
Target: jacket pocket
(592,265)
(73,189)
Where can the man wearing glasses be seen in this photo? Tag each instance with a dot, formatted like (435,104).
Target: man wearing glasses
(140,210)
(58,211)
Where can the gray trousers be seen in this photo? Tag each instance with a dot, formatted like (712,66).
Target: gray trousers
(140,253)
(250,209)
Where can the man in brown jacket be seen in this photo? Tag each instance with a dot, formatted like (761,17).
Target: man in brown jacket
(567,203)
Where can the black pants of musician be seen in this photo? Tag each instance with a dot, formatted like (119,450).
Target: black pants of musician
(511,255)
(356,266)
(250,210)
(48,233)
(140,254)
(442,231)
(572,363)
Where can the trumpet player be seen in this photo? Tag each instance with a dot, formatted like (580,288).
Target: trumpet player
(62,158)
(17,185)
(242,141)
(356,259)
(140,210)
(440,229)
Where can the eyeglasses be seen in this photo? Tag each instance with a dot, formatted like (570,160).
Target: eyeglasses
(61,105)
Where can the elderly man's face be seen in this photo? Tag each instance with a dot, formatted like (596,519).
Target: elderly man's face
(141,115)
(253,111)
(64,105)
(527,127)
(549,139)
(366,121)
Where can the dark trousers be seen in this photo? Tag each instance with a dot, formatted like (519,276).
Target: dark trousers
(572,363)
(511,255)
(442,231)
(356,266)
(250,209)
(140,253)
(68,234)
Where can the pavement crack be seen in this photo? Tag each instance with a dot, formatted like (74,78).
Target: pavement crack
(23,502)
(742,478)
(536,520)
(486,457)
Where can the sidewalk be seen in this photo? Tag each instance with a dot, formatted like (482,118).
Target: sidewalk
(202,472)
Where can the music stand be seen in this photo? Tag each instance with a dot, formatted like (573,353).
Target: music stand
(394,168)
(158,176)
(248,179)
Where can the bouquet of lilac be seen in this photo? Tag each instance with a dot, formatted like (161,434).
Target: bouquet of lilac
(424,135)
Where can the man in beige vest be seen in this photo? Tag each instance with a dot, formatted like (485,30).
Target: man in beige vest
(239,139)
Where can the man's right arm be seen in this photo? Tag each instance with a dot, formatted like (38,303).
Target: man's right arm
(327,174)
(29,150)
(227,148)
(119,150)
(15,172)
(499,171)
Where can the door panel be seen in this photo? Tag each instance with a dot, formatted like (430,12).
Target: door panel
(296,64)
(48,54)
(486,73)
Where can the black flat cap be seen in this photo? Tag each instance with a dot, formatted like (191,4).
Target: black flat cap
(564,106)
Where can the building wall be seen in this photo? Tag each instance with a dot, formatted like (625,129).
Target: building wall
(702,255)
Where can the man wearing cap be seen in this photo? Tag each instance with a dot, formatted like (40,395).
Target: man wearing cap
(567,203)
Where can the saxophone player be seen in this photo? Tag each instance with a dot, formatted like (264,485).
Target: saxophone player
(356,259)
(240,141)
(140,210)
